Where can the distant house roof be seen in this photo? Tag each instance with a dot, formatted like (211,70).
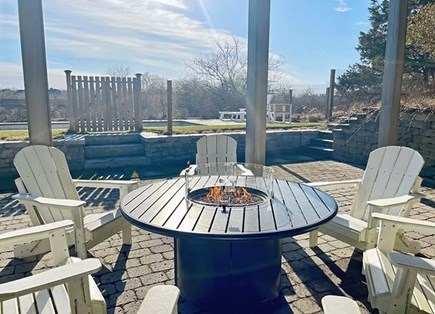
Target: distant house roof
(12,103)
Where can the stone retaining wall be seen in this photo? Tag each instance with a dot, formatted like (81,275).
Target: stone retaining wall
(354,141)
(161,148)
(73,147)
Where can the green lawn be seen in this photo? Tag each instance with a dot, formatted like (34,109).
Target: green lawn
(22,135)
(228,128)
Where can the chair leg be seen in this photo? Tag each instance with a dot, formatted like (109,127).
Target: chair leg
(80,243)
(314,236)
(126,234)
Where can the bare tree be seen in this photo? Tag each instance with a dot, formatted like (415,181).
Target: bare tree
(118,70)
(154,91)
(224,72)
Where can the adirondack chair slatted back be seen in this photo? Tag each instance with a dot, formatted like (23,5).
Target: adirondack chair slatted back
(391,171)
(44,172)
(216,149)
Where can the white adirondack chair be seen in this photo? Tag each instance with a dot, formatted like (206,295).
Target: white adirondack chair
(213,149)
(49,194)
(389,185)
(399,283)
(68,287)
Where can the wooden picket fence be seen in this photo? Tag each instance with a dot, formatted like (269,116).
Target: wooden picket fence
(97,104)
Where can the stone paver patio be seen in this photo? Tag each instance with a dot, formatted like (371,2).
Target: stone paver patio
(306,276)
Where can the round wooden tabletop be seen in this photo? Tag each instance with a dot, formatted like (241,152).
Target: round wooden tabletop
(161,207)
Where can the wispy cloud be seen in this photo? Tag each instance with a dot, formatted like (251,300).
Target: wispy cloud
(342,6)
(362,23)
(156,36)
(11,76)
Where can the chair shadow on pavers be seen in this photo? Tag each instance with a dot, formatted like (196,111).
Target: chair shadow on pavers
(17,268)
(105,199)
(428,202)
(314,275)
(352,280)
(11,208)
(294,174)
(112,280)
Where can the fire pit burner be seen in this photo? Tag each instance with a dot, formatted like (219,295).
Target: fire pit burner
(228,184)
(228,196)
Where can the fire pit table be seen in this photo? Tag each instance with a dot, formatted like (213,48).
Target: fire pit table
(227,221)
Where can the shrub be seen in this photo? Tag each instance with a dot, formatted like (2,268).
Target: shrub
(314,117)
(296,118)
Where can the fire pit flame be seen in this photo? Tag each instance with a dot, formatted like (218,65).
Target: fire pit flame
(239,195)
(215,194)
(242,195)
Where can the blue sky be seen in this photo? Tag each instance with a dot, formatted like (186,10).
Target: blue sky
(161,36)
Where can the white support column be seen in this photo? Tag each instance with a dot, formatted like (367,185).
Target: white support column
(258,57)
(393,70)
(35,71)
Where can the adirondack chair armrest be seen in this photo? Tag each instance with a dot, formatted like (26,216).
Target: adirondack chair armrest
(420,265)
(244,171)
(37,200)
(406,224)
(124,186)
(113,184)
(395,201)
(330,184)
(382,205)
(189,171)
(30,234)
(49,278)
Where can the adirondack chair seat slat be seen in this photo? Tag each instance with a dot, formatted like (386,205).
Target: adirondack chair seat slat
(346,225)
(426,286)
(45,301)
(94,221)
(382,274)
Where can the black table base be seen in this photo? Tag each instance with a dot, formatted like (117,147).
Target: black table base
(219,273)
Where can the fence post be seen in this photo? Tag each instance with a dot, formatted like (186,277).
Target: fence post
(137,102)
(69,94)
(290,94)
(327,104)
(169,101)
(331,94)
